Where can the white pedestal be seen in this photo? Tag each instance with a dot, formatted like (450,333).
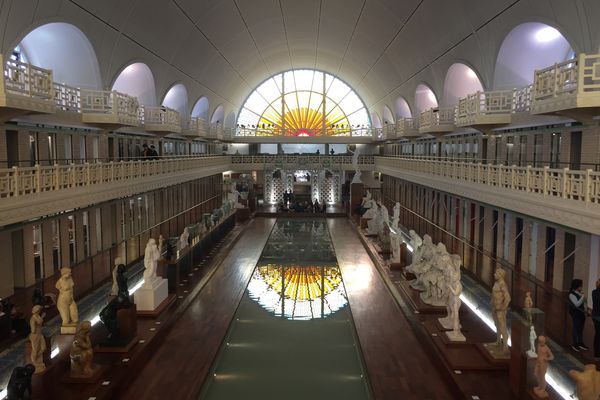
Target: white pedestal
(151,294)
(456,336)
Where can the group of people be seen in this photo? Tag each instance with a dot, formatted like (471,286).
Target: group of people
(301,206)
(149,153)
(579,312)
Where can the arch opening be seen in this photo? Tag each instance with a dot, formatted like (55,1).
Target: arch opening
(388,116)
(218,115)
(137,80)
(177,99)
(402,108)
(460,81)
(200,109)
(424,98)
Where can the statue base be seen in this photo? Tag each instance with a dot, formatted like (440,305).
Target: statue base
(497,352)
(394,266)
(433,301)
(69,329)
(92,377)
(456,336)
(157,311)
(445,323)
(151,294)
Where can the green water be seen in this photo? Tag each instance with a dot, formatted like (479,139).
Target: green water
(295,343)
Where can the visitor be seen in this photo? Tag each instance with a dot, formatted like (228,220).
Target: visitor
(324,208)
(332,152)
(153,152)
(596,319)
(577,312)
(316,206)
(145,152)
(318,152)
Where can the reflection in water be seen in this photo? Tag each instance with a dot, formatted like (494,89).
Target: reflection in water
(298,292)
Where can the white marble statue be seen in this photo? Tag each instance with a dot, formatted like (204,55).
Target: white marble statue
(38,342)
(384,229)
(422,263)
(436,277)
(357,172)
(415,244)
(395,243)
(183,239)
(396,214)
(367,200)
(151,257)
(65,303)
(374,223)
(454,291)
(531,353)
(114,290)
(500,302)
(372,211)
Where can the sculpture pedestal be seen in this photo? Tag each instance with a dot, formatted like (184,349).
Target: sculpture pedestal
(151,294)
(46,356)
(357,191)
(91,378)
(127,318)
(69,329)
(496,352)
(456,336)
(363,222)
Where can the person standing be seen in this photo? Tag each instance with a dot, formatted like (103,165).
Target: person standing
(577,312)
(596,319)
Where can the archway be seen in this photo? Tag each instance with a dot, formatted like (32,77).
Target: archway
(402,108)
(200,109)
(65,50)
(177,99)
(424,98)
(137,80)
(218,115)
(388,116)
(460,81)
(528,47)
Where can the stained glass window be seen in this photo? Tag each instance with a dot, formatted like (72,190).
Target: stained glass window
(303,103)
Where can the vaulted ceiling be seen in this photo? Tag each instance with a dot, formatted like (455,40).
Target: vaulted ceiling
(227,47)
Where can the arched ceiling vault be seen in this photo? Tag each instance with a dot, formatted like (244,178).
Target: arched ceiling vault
(224,49)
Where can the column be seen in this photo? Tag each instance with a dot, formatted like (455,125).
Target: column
(7,273)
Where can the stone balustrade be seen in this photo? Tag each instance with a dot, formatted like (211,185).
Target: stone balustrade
(160,119)
(304,161)
(26,87)
(67,98)
(436,120)
(108,107)
(485,108)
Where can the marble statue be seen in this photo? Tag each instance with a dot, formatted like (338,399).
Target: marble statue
(422,262)
(108,315)
(372,211)
(373,224)
(65,303)
(114,289)
(415,244)
(500,302)
(183,239)
(357,172)
(233,195)
(396,214)
(436,277)
(544,356)
(384,228)
(38,342)
(82,352)
(151,257)
(587,381)
(527,306)
(19,384)
(532,336)
(366,201)
(395,242)
(454,291)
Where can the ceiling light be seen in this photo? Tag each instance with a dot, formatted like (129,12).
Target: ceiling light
(547,34)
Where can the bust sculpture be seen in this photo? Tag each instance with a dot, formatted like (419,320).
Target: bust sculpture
(531,353)
(82,352)
(544,356)
(38,342)
(19,384)
(500,302)
(65,303)
(151,257)
(587,381)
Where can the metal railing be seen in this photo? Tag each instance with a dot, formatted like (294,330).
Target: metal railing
(343,131)
(564,183)
(20,181)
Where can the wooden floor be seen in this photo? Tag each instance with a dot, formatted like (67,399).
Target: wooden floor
(178,369)
(398,365)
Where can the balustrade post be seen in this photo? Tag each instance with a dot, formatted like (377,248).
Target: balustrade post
(500,175)
(56,185)
(38,182)
(588,185)
(528,179)
(565,183)
(15,181)
(545,180)
(101,175)
(87,174)
(513,176)
(73,175)
(489,174)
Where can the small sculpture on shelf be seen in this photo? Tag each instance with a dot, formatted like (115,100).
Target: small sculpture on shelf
(531,353)
(544,356)
(500,302)
(66,303)
(151,257)
(37,339)
(82,352)
(19,384)
(183,239)
(587,381)
(114,288)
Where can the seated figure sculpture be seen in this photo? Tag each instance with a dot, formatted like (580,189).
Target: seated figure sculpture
(424,262)
(436,278)
(371,212)
(82,352)
(373,224)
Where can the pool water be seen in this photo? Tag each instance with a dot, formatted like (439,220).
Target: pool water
(292,336)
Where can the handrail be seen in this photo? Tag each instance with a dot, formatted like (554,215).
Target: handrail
(109,102)
(435,117)
(301,159)
(20,181)
(24,79)
(159,116)
(564,183)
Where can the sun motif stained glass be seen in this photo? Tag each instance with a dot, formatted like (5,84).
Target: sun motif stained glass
(298,292)
(303,103)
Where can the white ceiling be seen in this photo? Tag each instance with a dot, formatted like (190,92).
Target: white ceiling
(225,48)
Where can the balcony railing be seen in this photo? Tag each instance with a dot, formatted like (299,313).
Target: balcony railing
(160,119)
(407,127)
(574,83)
(582,186)
(494,107)
(67,98)
(109,107)
(522,99)
(26,87)
(335,131)
(22,181)
(300,161)
(436,120)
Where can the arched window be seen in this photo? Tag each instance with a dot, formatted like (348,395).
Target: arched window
(304,103)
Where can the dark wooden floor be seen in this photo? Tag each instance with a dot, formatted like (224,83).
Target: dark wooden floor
(178,369)
(397,363)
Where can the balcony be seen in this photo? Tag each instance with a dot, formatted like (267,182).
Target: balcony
(304,161)
(485,110)
(570,88)
(436,121)
(389,132)
(31,192)
(25,89)
(407,128)
(160,120)
(107,109)
(563,196)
